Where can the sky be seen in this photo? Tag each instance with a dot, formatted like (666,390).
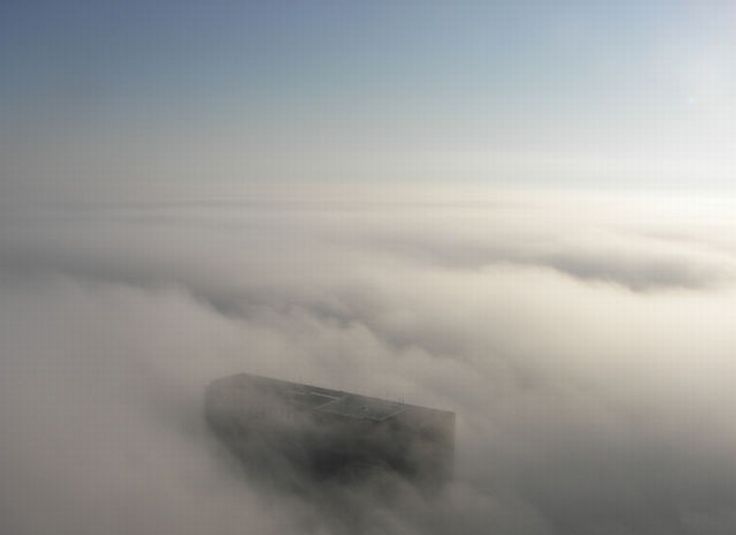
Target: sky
(576,94)
(521,212)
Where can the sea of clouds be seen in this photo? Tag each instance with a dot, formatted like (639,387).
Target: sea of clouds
(587,344)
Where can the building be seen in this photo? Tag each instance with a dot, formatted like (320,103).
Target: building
(294,433)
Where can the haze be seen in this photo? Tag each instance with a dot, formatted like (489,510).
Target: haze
(521,212)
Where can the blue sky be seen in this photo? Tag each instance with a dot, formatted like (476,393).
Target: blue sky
(592,94)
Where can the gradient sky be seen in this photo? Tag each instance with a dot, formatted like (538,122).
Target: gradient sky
(591,94)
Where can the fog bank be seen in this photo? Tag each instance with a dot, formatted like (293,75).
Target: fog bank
(586,346)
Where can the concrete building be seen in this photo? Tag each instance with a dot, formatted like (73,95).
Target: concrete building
(294,433)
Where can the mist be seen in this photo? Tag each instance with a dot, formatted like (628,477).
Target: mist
(585,344)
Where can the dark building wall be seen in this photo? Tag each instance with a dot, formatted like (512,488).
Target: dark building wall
(294,432)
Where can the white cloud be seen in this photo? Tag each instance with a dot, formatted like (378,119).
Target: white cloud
(585,347)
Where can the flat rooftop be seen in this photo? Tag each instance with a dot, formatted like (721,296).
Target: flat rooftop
(325,400)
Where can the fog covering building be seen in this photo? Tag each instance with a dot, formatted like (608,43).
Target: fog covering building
(299,434)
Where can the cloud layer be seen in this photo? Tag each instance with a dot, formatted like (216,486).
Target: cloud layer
(586,347)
